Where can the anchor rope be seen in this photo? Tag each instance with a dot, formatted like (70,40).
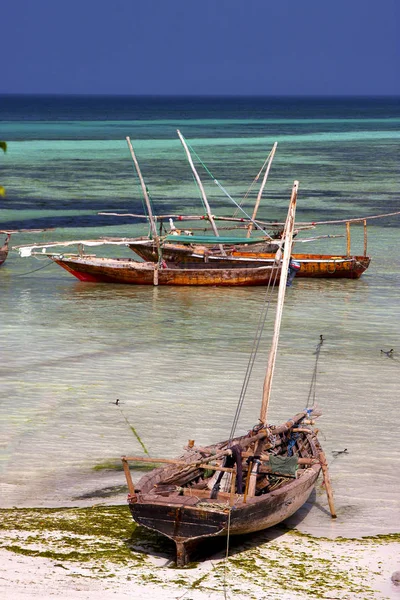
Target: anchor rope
(313,384)
(34,270)
(254,349)
(227,550)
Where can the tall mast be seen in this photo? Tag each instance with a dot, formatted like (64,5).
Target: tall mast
(203,194)
(257,204)
(145,194)
(287,240)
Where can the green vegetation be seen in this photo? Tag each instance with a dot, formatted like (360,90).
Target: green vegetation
(104,542)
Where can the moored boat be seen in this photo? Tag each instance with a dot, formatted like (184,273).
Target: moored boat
(129,271)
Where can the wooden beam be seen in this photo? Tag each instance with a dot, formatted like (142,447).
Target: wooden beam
(327,483)
(128,477)
(348,237)
(288,240)
(258,200)
(365,237)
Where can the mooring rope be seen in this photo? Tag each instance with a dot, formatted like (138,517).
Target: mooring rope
(227,551)
(34,271)
(254,349)
(313,384)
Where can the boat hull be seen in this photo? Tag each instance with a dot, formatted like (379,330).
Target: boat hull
(326,266)
(128,271)
(185,523)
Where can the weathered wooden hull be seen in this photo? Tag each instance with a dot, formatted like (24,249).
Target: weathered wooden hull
(4,250)
(182,522)
(184,254)
(327,266)
(129,271)
(187,519)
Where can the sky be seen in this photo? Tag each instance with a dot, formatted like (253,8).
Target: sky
(212,47)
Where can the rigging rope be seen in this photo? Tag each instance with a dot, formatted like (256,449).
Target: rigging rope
(254,349)
(256,178)
(221,187)
(313,384)
(227,550)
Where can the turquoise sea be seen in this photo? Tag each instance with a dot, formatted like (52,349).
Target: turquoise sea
(176,358)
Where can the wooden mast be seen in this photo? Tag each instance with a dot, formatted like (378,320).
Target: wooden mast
(203,194)
(145,194)
(287,240)
(257,204)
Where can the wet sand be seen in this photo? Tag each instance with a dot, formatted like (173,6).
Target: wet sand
(76,554)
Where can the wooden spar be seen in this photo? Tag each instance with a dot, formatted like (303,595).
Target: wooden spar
(327,482)
(145,194)
(128,477)
(348,239)
(203,194)
(281,297)
(277,224)
(365,237)
(274,225)
(171,461)
(257,204)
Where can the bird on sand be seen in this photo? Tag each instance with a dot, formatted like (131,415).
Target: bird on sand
(389,353)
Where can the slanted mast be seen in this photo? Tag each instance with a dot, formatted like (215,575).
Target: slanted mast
(287,245)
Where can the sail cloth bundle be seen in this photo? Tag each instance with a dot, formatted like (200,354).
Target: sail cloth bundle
(284,465)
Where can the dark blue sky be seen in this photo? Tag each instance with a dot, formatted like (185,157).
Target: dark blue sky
(221,47)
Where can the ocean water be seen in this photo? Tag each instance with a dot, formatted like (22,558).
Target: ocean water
(176,357)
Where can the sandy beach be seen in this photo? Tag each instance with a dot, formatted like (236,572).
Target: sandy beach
(84,553)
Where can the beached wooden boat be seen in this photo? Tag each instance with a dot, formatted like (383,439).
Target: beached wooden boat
(4,249)
(271,471)
(129,271)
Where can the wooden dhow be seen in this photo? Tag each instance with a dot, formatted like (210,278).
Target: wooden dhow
(271,470)
(129,271)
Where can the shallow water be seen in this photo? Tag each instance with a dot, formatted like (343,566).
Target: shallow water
(176,358)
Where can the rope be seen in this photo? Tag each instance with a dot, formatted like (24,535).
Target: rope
(225,191)
(313,384)
(253,182)
(254,350)
(34,271)
(227,551)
